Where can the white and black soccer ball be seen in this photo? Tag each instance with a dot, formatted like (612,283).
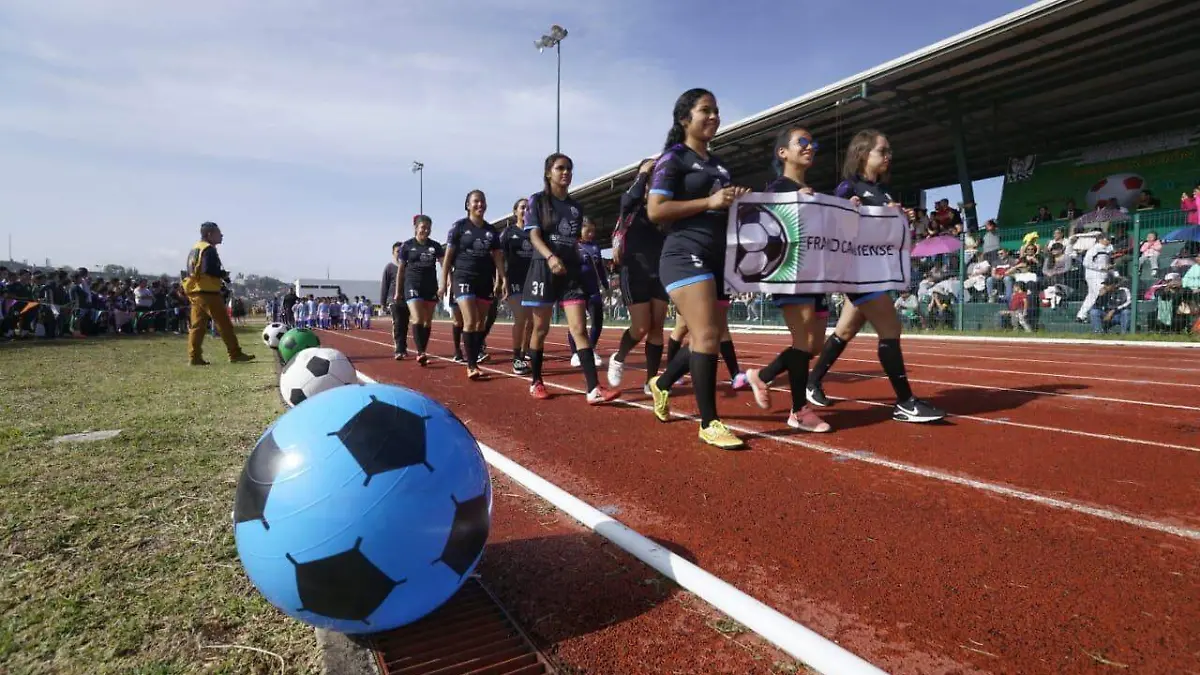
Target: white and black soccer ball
(761,242)
(313,371)
(273,333)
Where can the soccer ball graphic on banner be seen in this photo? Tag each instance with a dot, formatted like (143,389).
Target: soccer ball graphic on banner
(313,371)
(761,242)
(273,333)
(362,510)
(1124,187)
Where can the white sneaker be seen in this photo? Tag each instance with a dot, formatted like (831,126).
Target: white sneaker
(599,360)
(615,370)
(575,359)
(646,389)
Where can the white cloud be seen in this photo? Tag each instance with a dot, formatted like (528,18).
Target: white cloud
(106,98)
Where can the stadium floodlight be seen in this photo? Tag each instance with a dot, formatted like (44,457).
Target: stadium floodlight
(554,39)
(419,169)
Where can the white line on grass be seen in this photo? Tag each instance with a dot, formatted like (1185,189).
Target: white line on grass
(984,486)
(792,637)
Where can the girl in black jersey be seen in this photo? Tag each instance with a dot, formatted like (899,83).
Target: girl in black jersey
(417,266)
(473,256)
(865,175)
(518,251)
(805,314)
(690,193)
(637,246)
(554,222)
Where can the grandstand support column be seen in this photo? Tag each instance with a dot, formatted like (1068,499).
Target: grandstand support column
(960,319)
(1135,274)
(960,159)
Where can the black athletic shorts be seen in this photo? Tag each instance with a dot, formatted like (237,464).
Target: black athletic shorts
(424,290)
(819,299)
(640,284)
(472,287)
(858,299)
(684,263)
(543,288)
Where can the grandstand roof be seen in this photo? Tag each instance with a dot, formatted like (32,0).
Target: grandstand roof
(1056,75)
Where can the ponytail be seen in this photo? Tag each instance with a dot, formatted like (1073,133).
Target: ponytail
(682,113)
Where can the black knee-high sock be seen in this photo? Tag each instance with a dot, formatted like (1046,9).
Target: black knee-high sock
(676,368)
(797,366)
(596,309)
(704,383)
(458,332)
(892,360)
(535,364)
(421,337)
(833,348)
(673,346)
(493,310)
(654,354)
(775,367)
(730,356)
(471,338)
(627,343)
(587,361)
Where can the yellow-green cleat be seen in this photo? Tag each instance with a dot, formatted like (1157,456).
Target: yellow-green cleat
(662,401)
(719,435)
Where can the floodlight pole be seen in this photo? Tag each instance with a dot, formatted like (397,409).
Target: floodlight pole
(554,39)
(419,169)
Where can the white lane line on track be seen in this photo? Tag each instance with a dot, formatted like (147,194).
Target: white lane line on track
(988,420)
(791,636)
(984,486)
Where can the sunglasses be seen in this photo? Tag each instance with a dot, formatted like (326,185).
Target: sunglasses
(804,144)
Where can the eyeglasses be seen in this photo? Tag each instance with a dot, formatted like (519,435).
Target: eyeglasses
(805,143)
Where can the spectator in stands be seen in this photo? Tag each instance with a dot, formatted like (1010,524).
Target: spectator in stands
(1112,305)
(1071,212)
(906,307)
(1043,215)
(991,241)
(1150,250)
(1055,266)
(975,287)
(945,217)
(1186,258)
(999,267)
(1147,201)
(1096,264)
(1191,205)
(920,222)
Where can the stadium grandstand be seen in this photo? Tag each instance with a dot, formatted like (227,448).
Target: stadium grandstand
(1108,81)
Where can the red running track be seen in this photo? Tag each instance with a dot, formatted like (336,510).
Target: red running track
(1033,532)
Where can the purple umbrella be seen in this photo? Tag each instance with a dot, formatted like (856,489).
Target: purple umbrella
(938,245)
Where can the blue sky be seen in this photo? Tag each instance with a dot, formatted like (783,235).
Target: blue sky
(293,123)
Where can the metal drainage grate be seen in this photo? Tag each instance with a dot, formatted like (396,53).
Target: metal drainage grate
(470,634)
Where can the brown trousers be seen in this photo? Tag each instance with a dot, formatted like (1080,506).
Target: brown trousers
(207,306)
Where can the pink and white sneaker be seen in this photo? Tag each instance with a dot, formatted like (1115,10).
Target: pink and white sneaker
(739,382)
(762,392)
(806,420)
(601,395)
(538,391)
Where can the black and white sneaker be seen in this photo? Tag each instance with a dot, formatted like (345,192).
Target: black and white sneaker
(916,410)
(816,396)
(483,354)
(458,358)
(521,367)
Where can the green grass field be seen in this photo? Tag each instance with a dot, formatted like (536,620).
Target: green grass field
(118,555)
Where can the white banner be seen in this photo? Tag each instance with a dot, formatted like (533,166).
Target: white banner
(790,242)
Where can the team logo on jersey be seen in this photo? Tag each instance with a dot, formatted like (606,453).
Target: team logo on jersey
(574,212)
(564,226)
(526,245)
(481,243)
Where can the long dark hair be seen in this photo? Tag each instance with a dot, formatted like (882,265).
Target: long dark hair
(782,140)
(856,154)
(514,208)
(467,199)
(682,114)
(545,207)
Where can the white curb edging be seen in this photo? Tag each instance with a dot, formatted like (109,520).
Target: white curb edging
(798,641)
